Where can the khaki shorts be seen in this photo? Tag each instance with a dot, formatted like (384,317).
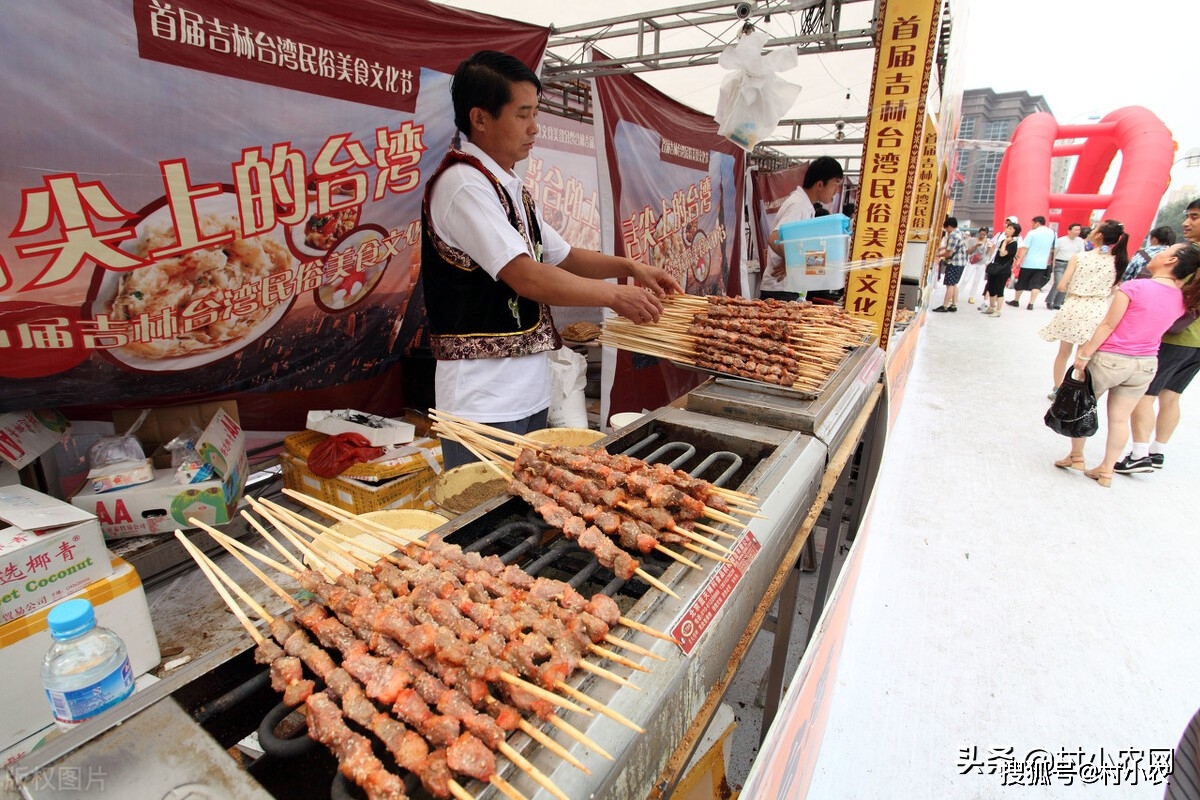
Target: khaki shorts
(1127,376)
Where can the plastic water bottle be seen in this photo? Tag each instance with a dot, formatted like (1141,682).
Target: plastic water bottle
(86,670)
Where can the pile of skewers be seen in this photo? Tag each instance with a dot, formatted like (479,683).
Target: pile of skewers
(614,506)
(423,654)
(798,345)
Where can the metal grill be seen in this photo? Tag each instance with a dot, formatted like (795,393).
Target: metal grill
(175,733)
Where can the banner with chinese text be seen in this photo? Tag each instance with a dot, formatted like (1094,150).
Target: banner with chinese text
(677,191)
(903,62)
(214,197)
(925,195)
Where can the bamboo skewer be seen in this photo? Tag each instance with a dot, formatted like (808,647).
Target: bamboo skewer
(206,567)
(608,675)
(655,582)
(224,541)
(549,697)
(672,554)
(717,531)
(531,770)
(488,430)
(705,553)
(580,736)
(598,706)
(717,516)
(271,539)
(554,747)
(318,563)
(363,524)
(506,788)
(684,532)
(616,658)
(646,629)
(631,647)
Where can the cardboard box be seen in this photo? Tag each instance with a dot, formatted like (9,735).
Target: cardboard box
(378,431)
(120,604)
(165,423)
(164,505)
(121,476)
(51,550)
(25,435)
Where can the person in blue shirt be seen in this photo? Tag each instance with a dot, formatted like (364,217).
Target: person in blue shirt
(1033,261)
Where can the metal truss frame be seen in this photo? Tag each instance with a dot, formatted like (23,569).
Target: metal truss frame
(635,43)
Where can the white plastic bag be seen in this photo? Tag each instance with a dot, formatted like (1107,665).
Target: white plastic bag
(568,376)
(753,97)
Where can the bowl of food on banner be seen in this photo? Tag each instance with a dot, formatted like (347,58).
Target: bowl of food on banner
(183,310)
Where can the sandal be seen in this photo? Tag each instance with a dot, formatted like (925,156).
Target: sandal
(1102,478)
(1070,462)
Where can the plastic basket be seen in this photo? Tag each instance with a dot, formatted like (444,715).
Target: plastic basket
(300,444)
(405,491)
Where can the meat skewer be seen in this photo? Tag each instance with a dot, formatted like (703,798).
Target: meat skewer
(410,750)
(353,752)
(387,557)
(553,719)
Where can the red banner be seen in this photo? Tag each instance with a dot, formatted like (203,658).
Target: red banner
(677,190)
(216,197)
(770,190)
(561,176)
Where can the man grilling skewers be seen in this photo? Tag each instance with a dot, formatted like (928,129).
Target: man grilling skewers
(491,268)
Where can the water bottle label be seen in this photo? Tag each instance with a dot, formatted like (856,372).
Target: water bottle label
(77,705)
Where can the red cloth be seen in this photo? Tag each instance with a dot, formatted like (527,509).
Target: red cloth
(339,452)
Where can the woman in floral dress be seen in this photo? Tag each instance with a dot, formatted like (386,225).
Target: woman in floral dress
(1088,281)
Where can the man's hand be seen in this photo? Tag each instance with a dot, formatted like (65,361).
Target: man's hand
(654,279)
(779,270)
(635,303)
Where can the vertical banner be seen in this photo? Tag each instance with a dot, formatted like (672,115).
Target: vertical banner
(218,197)
(561,175)
(677,191)
(903,62)
(921,220)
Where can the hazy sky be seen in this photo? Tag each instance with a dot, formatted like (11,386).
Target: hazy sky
(1090,58)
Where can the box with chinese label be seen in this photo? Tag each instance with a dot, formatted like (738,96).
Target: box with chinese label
(120,604)
(25,435)
(51,550)
(164,505)
(378,431)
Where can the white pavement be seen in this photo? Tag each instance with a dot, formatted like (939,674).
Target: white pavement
(1004,603)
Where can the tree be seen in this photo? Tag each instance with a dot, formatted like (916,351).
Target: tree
(1172,215)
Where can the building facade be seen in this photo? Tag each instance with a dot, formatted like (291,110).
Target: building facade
(987,124)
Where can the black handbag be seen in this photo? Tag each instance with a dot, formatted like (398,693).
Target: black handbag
(1073,412)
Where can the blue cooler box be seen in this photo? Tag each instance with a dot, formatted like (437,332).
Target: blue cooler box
(815,252)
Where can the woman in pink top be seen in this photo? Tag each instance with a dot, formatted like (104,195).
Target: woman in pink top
(1122,354)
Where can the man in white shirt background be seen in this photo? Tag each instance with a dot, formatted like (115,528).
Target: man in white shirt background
(821,183)
(1064,248)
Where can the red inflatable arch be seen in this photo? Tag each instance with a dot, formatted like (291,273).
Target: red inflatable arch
(1147,150)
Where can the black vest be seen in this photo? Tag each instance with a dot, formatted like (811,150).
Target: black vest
(471,315)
